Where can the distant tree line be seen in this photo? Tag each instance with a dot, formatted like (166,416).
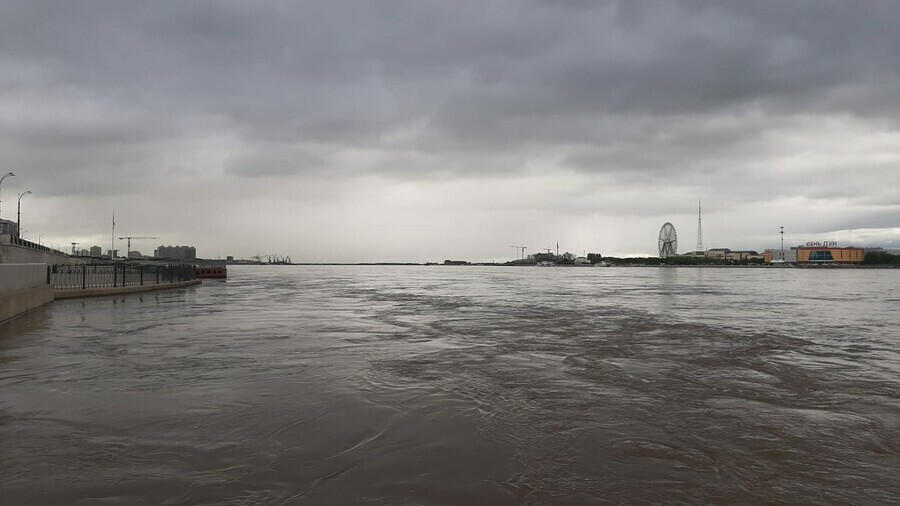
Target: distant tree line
(881,258)
(683,260)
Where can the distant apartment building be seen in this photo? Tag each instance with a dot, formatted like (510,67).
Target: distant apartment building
(780,256)
(9,228)
(177,252)
(744,255)
(112,253)
(728,254)
(96,251)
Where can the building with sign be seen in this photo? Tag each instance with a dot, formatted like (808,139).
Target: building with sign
(830,254)
(817,254)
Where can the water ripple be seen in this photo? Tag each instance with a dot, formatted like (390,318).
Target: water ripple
(387,385)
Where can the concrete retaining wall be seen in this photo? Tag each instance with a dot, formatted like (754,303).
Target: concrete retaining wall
(17,254)
(14,304)
(23,287)
(15,277)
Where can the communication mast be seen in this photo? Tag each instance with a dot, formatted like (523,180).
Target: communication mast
(700,228)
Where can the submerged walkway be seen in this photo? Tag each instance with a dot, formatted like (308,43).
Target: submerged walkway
(98,292)
(24,287)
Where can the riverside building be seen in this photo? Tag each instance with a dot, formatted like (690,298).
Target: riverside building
(817,253)
(177,252)
(9,228)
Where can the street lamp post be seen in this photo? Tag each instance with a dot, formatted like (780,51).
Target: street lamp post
(4,177)
(19,214)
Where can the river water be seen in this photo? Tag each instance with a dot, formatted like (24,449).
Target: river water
(460,385)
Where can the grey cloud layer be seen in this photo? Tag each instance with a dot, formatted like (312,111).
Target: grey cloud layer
(693,94)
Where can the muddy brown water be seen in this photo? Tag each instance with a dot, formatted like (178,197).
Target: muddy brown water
(461,385)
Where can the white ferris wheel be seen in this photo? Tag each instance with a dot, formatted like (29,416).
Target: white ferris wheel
(668,241)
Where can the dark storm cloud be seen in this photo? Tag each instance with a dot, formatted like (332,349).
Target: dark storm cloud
(694,95)
(272,161)
(487,70)
(502,59)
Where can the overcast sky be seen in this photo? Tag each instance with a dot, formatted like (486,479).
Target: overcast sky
(424,130)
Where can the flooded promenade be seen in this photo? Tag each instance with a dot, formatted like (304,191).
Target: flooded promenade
(468,385)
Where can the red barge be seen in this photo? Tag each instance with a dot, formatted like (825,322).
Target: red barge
(215,269)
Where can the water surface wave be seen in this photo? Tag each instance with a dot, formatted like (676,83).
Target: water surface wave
(439,385)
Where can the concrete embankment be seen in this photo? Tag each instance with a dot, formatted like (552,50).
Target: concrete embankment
(119,290)
(23,287)
(17,251)
(26,283)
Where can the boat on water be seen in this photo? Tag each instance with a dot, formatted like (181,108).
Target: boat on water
(602,263)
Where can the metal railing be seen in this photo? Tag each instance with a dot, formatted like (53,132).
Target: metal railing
(83,277)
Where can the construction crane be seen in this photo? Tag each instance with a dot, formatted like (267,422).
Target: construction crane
(130,237)
(523,248)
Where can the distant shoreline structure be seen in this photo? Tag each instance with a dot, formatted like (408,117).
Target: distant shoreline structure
(620,265)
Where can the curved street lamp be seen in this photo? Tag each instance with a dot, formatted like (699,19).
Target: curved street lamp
(4,177)
(19,216)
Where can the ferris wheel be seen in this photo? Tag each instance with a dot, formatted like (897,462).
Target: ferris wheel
(668,241)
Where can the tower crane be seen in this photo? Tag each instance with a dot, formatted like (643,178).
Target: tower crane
(130,237)
(523,248)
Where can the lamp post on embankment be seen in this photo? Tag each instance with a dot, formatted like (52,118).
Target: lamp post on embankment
(19,214)
(4,177)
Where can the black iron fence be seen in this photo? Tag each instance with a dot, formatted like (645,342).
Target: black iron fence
(82,277)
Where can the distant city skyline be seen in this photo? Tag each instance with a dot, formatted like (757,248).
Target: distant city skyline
(408,131)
